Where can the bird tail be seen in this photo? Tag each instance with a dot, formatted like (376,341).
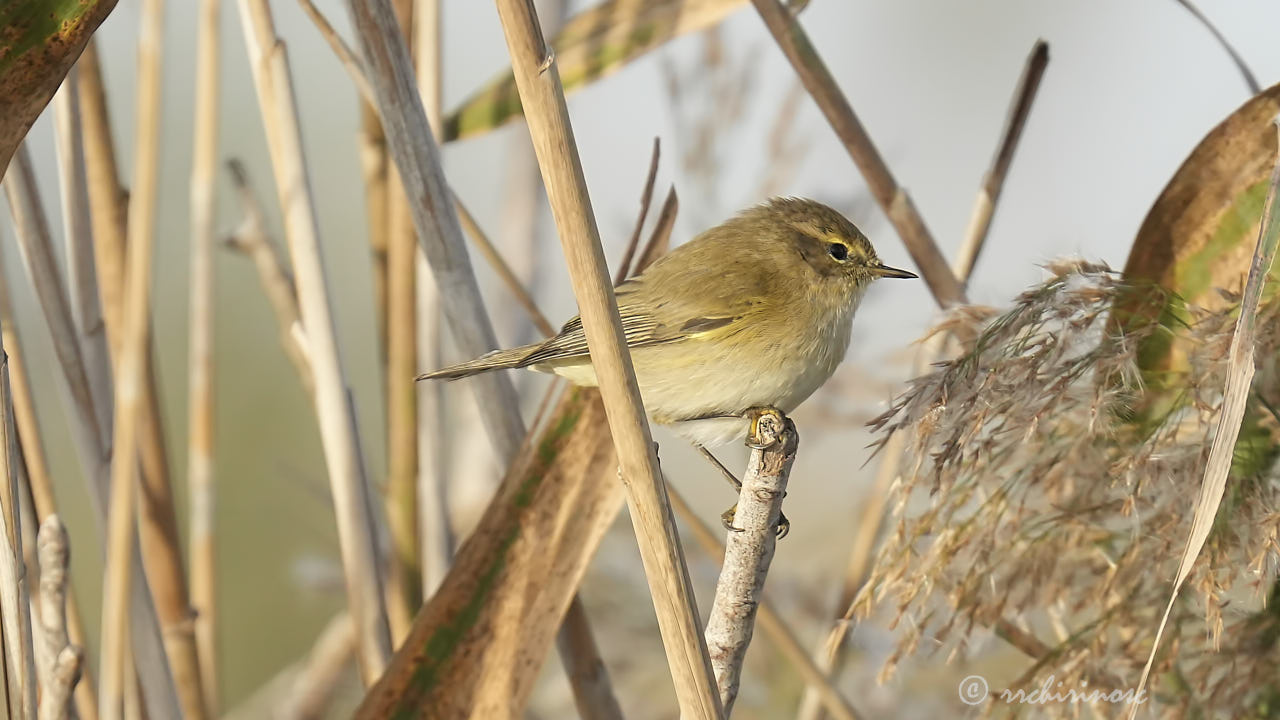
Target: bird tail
(496,360)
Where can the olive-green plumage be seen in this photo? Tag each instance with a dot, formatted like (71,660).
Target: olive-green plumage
(755,312)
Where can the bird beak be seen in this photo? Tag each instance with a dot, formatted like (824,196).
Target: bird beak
(885,271)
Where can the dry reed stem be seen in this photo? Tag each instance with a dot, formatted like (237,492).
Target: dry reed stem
(646,197)
(477,646)
(774,627)
(404,580)
(82,280)
(835,106)
(163,560)
(749,551)
(15,601)
(660,238)
(90,440)
(993,181)
(1250,82)
(873,510)
(589,679)
(1234,396)
(542,97)
(60,659)
(312,688)
(200,376)
(502,268)
(38,257)
(36,469)
(412,145)
(251,239)
(106,196)
(352,505)
(128,393)
(435,533)
(398,296)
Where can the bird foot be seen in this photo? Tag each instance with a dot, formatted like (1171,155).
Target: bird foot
(781,531)
(767,426)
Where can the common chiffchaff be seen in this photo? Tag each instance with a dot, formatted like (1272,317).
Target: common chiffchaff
(755,312)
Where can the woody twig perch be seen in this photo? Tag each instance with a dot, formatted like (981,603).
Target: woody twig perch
(749,549)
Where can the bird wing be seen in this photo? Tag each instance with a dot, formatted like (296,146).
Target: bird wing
(646,323)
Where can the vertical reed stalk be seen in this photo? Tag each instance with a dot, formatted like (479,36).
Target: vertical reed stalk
(38,478)
(412,144)
(417,158)
(435,534)
(835,106)
(158,525)
(356,535)
(405,579)
(92,441)
(542,97)
(130,377)
(106,196)
(975,238)
(15,600)
(82,280)
(200,393)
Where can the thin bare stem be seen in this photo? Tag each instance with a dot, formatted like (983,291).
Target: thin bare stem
(1246,74)
(660,238)
(542,97)
(251,239)
(417,158)
(646,197)
(37,475)
(106,196)
(129,380)
(82,279)
(774,627)
(92,441)
(158,524)
(592,690)
(893,198)
(61,661)
(435,529)
(749,550)
(500,266)
(36,248)
(200,391)
(975,235)
(15,600)
(349,61)
(404,579)
(312,688)
(873,508)
(348,483)
(1241,370)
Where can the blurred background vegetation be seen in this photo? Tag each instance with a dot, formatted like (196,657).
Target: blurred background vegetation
(1132,87)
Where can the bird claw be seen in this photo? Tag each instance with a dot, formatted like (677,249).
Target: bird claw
(781,531)
(766,427)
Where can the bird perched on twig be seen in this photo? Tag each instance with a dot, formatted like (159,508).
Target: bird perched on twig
(756,312)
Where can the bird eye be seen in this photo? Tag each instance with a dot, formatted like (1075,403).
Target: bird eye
(838,251)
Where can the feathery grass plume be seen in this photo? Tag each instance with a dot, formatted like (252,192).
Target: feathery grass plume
(1029,489)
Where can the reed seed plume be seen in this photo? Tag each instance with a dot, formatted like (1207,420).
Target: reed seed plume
(1032,490)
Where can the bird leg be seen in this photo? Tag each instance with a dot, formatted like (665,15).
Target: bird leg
(766,429)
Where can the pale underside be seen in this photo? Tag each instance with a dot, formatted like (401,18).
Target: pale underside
(701,385)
